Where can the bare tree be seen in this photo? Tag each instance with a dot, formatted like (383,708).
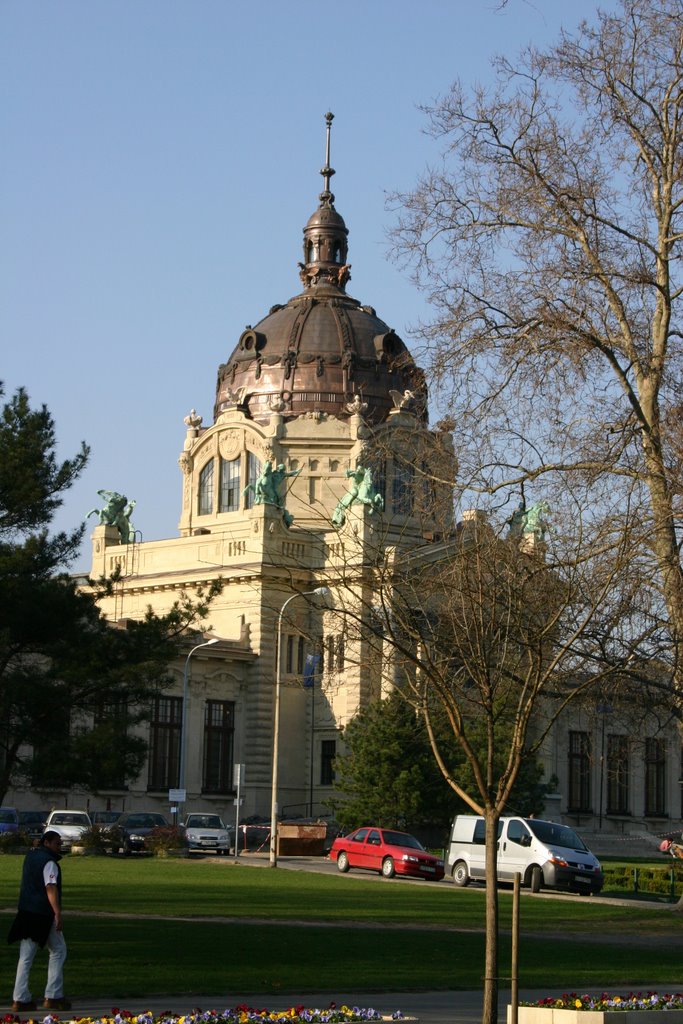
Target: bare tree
(549,241)
(490,638)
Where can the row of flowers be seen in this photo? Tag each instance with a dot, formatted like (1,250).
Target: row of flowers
(633,1001)
(237,1015)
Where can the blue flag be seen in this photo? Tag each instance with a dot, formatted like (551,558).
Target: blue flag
(310,669)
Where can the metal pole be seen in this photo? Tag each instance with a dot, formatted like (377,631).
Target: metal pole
(320,591)
(514,971)
(183,720)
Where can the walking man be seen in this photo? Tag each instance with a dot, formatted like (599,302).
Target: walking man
(39,922)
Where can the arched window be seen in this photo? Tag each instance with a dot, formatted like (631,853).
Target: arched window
(229,490)
(206,490)
(402,489)
(253,473)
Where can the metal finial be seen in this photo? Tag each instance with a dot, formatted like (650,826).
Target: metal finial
(327,171)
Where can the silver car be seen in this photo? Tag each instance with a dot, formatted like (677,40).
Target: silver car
(207,833)
(70,824)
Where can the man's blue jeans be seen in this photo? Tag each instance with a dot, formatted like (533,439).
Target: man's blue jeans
(54,988)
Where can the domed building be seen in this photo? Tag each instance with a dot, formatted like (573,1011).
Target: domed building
(318,463)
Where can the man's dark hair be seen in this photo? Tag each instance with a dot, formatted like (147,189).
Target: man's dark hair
(49,836)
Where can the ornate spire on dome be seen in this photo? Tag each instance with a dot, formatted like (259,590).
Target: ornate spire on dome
(326,197)
(325,235)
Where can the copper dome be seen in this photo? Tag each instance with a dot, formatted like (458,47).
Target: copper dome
(322,351)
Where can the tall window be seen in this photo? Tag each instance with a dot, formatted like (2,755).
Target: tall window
(579,797)
(253,473)
(289,660)
(300,656)
(219,732)
(164,745)
(402,488)
(336,652)
(229,490)
(655,776)
(328,752)
(206,489)
(617,775)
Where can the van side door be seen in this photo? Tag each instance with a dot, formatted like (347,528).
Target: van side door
(513,850)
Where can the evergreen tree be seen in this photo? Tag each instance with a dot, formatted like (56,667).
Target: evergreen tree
(70,682)
(389,776)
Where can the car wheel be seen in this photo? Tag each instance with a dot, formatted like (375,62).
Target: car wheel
(388,869)
(461,876)
(536,878)
(343,862)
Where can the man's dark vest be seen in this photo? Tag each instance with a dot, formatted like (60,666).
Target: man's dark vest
(32,895)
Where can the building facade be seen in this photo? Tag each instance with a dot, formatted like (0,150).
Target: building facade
(318,461)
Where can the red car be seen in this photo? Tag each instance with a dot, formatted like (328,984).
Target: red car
(389,852)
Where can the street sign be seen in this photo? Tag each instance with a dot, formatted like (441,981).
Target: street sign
(176,796)
(237,775)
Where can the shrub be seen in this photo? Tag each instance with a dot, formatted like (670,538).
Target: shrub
(13,842)
(162,839)
(96,840)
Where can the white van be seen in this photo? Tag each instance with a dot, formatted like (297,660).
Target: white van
(543,852)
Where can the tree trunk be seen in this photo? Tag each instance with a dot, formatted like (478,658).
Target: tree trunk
(489,1014)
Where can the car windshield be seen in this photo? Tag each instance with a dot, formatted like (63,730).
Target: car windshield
(105,817)
(556,835)
(29,817)
(204,821)
(402,839)
(69,819)
(8,817)
(144,821)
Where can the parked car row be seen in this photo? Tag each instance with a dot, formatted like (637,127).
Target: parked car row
(128,830)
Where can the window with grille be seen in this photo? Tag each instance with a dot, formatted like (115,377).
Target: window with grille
(579,795)
(229,490)
(164,745)
(206,490)
(617,774)
(219,732)
(655,776)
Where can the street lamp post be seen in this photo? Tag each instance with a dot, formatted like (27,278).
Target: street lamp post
(183,719)
(318,592)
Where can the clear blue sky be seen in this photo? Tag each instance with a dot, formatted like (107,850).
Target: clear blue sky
(160,159)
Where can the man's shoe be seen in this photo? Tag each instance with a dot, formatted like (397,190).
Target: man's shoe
(20,1007)
(57,1004)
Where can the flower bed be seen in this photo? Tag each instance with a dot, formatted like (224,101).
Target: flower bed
(635,1008)
(237,1015)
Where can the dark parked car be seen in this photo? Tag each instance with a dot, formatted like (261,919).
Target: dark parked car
(132,827)
(32,823)
(9,819)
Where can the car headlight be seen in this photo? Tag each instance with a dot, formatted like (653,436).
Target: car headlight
(223,837)
(192,836)
(136,837)
(408,856)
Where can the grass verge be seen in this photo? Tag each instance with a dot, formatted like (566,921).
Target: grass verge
(128,956)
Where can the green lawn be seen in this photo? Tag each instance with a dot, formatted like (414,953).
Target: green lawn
(127,957)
